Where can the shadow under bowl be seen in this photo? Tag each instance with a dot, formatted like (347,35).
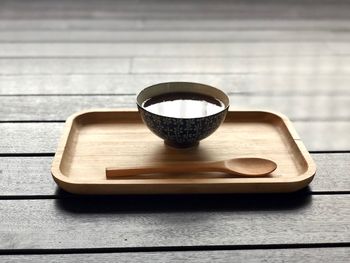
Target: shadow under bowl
(182,132)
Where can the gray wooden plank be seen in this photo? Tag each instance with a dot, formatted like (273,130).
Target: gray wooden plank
(35,108)
(196,49)
(148,221)
(231,23)
(340,48)
(334,254)
(63,66)
(43,137)
(174,10)
(254,84)
(332,175)
(244,65)
(329,168)
(34,171)
(324,135)
(57,108)
(240,65)
(29,138)
(181,36)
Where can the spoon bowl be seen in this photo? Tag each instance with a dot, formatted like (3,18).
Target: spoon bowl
(250,166)
(244,167)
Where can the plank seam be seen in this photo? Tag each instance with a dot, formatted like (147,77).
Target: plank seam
(67,196)
(170,248)
(80,95)
(53,153)
(241,93)
(292,119)
(154,29)
(32,121)
(268,40)
(330,152)
(243,73)
(49,154)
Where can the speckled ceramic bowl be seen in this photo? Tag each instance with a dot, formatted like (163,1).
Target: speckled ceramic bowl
(182,132)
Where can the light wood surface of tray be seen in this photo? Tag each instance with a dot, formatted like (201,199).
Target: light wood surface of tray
(96,139)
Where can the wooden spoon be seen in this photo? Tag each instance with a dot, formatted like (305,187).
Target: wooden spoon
(248,167)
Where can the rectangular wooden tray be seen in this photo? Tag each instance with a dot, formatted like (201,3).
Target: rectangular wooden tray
(96,139)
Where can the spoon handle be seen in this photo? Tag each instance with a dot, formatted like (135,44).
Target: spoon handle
(112,172)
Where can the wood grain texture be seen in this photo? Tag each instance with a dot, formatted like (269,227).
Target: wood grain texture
(251,84)
(43,137)
(330,166)
(95,36)
(141,221)
(313,255)
(244,65)
(113,24)
(95,140)
(30,176)
(324,135)
(325,108)
(63,66)
(172,10)
(339,48)
(288,49)
(245,167)
(194,49)
(31,138)
(293,65)
(34,171)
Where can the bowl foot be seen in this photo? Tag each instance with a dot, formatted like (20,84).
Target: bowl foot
(181,145)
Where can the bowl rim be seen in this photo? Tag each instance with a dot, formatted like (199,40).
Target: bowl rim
(139,104)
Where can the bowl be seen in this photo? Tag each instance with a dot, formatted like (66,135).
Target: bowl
(182,113)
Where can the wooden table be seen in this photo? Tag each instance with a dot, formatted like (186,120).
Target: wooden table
(59,57)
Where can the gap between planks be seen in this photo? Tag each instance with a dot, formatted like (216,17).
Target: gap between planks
(170,248)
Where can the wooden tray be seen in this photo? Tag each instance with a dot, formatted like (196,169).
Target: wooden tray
(94,140)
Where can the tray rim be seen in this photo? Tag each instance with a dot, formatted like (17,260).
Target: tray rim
(296,182)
